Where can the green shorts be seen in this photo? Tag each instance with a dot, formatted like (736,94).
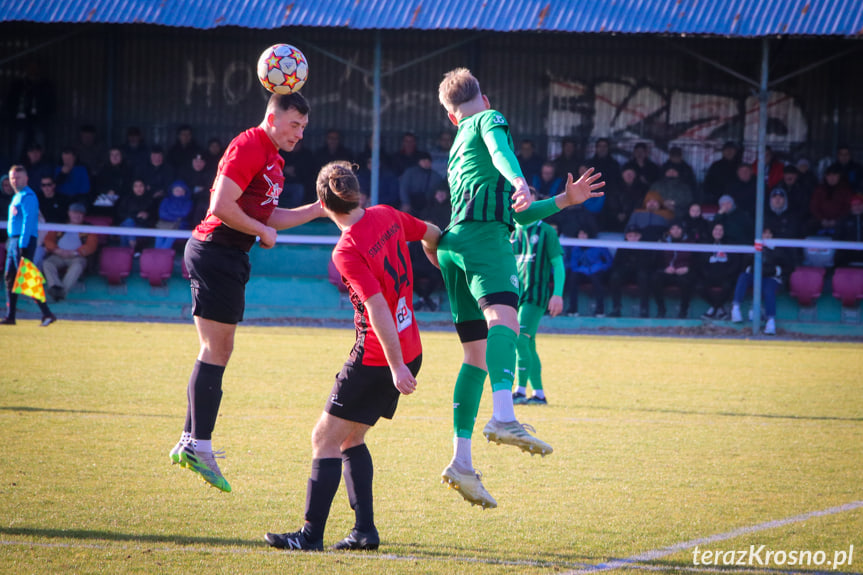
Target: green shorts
(478,268)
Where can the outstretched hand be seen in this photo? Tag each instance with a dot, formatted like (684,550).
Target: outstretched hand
(581,190)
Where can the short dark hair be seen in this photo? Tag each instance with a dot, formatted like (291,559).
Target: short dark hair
(287,101)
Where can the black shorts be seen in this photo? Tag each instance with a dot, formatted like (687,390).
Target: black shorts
(365,393)
(218,276)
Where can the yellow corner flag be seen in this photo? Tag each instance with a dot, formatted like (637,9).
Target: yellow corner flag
(29,280)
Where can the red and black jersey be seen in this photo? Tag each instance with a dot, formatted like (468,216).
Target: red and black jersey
(372,257)
(253,162)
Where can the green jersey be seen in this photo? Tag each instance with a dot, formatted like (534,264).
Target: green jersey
(481,151)
(536,246)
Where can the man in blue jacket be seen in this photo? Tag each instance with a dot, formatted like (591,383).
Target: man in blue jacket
(23,227)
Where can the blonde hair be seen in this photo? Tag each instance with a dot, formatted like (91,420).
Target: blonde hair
(338,187)
(457,87)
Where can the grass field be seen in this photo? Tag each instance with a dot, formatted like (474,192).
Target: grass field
(660,444)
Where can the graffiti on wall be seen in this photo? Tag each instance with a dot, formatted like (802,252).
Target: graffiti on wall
(627,111)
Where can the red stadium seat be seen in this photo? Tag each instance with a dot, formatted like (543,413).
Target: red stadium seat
(183,269)
(115,264)
(848,288)
(806,286)
(100,221)
(157,265)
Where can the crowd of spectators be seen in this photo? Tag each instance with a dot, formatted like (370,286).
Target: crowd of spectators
(136,185)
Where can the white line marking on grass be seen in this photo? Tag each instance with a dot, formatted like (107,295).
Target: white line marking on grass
(269,551)
(666,551)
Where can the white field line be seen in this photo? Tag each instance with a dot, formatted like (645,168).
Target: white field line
(655,554)
(632,562)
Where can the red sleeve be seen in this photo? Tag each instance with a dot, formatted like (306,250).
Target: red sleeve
(353,267)
(414,228)
(242,161)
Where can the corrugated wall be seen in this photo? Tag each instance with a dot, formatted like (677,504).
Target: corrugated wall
(628,87)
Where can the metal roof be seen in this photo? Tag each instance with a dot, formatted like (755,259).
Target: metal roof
(742,18)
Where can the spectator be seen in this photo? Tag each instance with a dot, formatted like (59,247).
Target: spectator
(797,196)
(646,171)
(73,180)
(831,202)
(675,269)
(744,189)
(332,151)
(652,219)
(547,184)
(439,210)
(737,227)
(300,170)
(721,173)
(135,210)
(850,229)
(569,221)
(776,266)
(157,175)
(604,163)
(114,180)
(407,155)
(684,170)
(718,272)
(568,162)
(529,161)
(184,149)
(67,251)
(440,152)
(592,205)
(631,266)
(774,167)
(588,264)
(675,192)
(199,178)
(695,227)
(90,151)
(388,184)
(779,217)
(54,207)
(417,185)
(622,200)
(851,172)
(174,212)
(807,181)
(135,151)
(36,164)
(213,153)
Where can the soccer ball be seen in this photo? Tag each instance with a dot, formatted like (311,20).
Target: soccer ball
(283,69)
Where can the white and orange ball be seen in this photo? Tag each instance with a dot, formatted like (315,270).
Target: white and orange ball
(283,69)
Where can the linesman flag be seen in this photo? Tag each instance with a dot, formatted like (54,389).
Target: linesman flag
(29,280)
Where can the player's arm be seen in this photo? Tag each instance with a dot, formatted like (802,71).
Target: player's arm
(576,192)
(506,163)
(558,273)
(429,242)
(226,194)
(385,328)
(283,218)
